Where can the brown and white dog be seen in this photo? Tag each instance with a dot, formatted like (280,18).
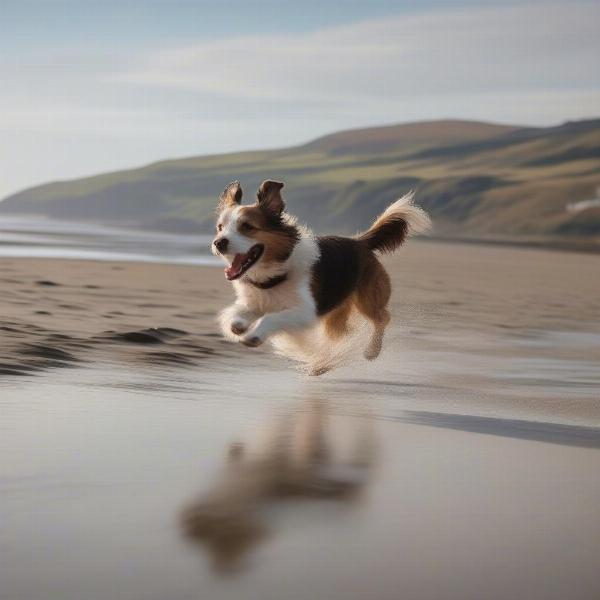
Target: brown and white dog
(292,285)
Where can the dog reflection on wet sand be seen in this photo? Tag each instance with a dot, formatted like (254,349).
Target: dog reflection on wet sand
(298,459)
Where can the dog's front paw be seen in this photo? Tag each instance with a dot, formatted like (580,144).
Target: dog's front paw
(252,340)
(239,326)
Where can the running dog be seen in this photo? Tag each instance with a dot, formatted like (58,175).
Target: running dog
(288,281)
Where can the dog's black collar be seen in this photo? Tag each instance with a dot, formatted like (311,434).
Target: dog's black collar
(268,283)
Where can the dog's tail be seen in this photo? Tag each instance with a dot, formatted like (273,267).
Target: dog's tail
(395,224)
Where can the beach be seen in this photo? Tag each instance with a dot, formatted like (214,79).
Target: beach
(145,457)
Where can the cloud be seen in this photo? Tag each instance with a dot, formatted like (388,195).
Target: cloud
(512,49)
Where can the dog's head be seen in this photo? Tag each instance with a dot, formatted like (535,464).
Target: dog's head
(258,234)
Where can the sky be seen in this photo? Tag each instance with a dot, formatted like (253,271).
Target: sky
(89,86)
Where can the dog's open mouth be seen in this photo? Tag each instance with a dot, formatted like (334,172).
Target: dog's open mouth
(242,262)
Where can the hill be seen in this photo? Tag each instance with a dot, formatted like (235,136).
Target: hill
(478,180)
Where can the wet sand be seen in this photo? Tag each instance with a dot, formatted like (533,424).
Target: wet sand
(143,457)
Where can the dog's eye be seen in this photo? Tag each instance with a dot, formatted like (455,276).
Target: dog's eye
(246,227)
(219,227)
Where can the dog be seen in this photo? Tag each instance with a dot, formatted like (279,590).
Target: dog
(290,283)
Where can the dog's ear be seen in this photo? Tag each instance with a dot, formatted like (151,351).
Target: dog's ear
(269,197)
(230,196)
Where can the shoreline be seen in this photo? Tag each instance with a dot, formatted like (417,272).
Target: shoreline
(554,245)
(187,242)
(460,318)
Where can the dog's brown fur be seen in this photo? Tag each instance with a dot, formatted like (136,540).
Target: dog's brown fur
(336,321)
(278,235)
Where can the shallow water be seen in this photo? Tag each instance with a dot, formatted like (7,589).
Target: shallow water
(30,237)
(367,483)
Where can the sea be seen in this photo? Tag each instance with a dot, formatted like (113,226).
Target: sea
(36,237)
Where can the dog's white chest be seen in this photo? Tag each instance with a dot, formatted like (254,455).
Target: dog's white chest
(276,299)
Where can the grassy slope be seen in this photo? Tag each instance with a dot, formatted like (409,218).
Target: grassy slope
(477,179)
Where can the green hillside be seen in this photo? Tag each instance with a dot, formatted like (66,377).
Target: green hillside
(477,179)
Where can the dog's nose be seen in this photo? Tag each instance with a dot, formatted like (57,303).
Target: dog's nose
(221,244)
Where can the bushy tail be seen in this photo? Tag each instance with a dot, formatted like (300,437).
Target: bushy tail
(395,224)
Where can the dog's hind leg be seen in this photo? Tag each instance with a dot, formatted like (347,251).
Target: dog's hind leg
(372,296)
(336,322)
(380,322)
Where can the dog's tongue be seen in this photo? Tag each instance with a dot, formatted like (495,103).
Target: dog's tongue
(235,269)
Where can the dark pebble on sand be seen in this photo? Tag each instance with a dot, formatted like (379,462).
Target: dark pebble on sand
(47,283)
